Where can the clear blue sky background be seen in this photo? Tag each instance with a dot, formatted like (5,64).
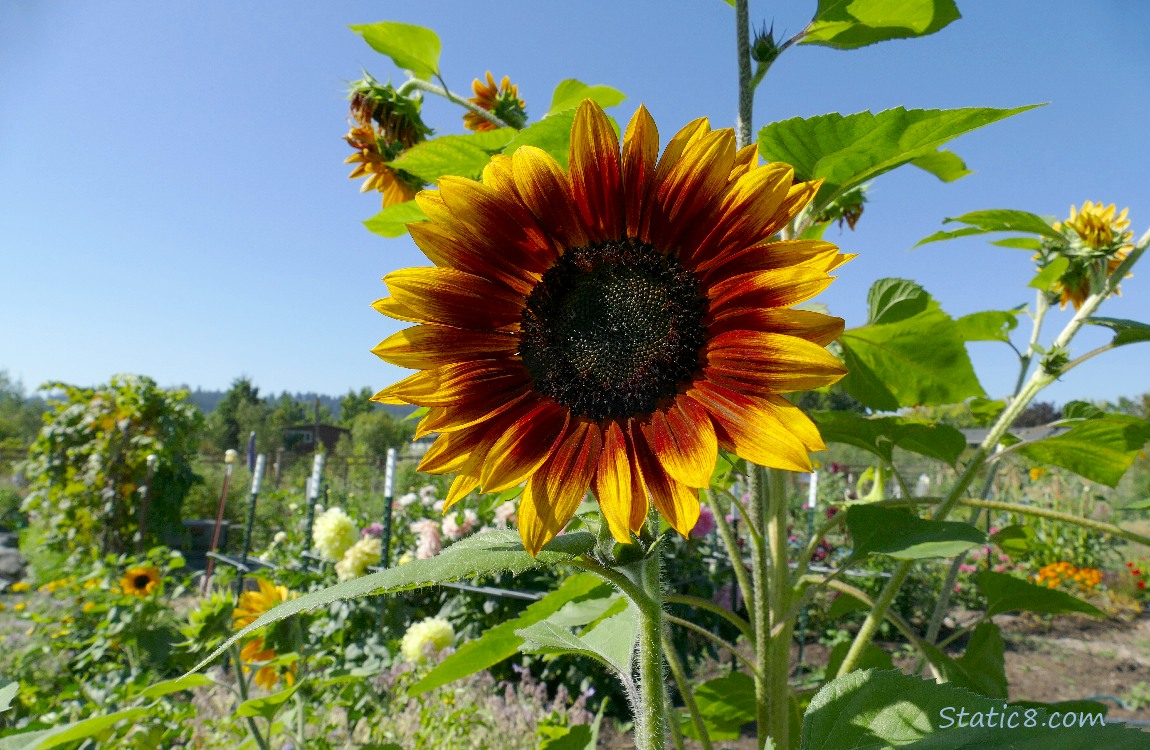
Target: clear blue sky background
(173,200)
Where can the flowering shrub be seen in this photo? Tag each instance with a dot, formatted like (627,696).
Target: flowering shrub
(1066,575)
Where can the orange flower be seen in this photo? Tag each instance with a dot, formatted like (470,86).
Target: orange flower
(503,101)
(610,326)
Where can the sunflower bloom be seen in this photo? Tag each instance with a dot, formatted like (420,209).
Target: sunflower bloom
(385,125)
(1099,241)
(502,101)
(610,326)
(140,581)
(251,605)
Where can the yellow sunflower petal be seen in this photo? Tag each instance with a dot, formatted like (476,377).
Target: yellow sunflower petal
(613,483)
(594,166)
(524,447)
(770,362)
(424,346)
(676,502)
(683,439)
(749,430)
(640,157)
(555,491)
(546,190)
(454,298)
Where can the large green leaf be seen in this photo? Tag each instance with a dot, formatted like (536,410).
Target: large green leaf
(981,668)
(892,300)
(610,640)
(988,325)
(413,48)
(187,682)
(875,710)
(501,642)
(570,92)
(848,150)
(1100,449)
(849,24)
(462,155)
(996,220)
(552,134)
(902,535)
(1005,593)
(393,220)
(872,657)
(266,706)
(7,693)
(43,739)
(919,360)
(482,554)
(880,435)
(726,704)
(1125,331)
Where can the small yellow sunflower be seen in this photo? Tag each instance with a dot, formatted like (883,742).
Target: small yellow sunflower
(252,604)
(503,101)
(1099,243)
(609,327)
(140,581)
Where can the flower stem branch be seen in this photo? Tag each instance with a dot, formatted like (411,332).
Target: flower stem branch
(686,692)
(709,606)
(446,93)
(735,554)
(717,640)
(746,89)
(761,614)
(242,684)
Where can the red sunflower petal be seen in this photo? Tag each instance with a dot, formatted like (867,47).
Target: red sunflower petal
(546,191)
(554,492)
(780,287)
(675,501)
(750,430)
(524,446)
(613,486)
(594,166)
(425,346)
(447,250)
(640,157)
(454,298)
(683,439)
(770,362)
(806,324)
(695,182)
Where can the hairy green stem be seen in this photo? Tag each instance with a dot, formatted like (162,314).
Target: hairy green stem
(687,693)
(781,624)
(431,88)
(746,90)
(761,613)
(650,714)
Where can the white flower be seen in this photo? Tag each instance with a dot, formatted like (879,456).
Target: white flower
(358,557)
(333,533)
(454,530)
(504,514)
(438,507)
(293,507)
(429,542)
(406,500)
(432,634)
(280,537)
(427,494)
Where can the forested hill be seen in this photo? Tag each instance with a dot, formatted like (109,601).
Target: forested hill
(207,401)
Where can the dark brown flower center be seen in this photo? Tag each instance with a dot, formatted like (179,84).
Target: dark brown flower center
(612,329)
(141,581)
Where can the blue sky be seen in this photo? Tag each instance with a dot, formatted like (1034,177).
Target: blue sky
(174,201)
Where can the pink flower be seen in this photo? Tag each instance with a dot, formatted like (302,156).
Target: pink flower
(967,568)
(375,529)
(705,525)
(454,530)
(505,514)
(429,541)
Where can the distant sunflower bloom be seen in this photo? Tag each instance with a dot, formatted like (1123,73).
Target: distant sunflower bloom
(1102,243)
(610,326)
(502,101)
(385,124)
(251,605)
(140,581)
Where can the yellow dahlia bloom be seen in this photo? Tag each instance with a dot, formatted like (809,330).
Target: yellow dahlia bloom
(333,533)
(434,631)
(359,556)
(140,581)
(503,101)
(610,326)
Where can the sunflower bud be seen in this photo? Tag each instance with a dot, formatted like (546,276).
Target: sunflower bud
(765,49)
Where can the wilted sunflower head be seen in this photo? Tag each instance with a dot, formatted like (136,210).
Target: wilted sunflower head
(384,125)
(140,581)
(1096,242)
(502,101)
(611,325)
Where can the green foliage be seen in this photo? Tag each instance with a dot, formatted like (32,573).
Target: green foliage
(610,639)
(904,536)
(88,466)
(1100,449)
(392,221)
(1006,593)
(881,435)
(1125,331)
(848,150)
(412,48)
(874,709)
(552,134)
(570,92)
(850,24)
(906,358)
(989,325)
(726,704)
(462,155)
